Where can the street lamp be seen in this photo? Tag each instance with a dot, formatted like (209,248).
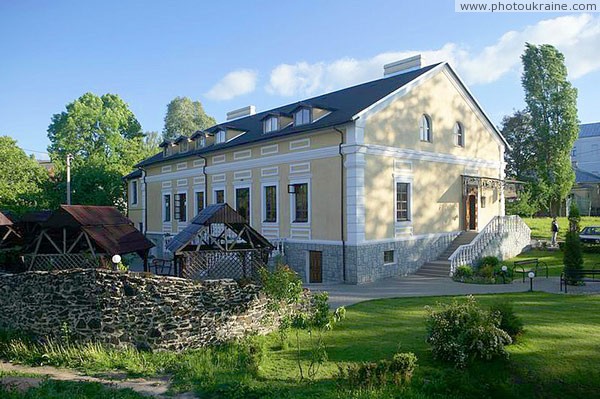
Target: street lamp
(531,276)
(116,259)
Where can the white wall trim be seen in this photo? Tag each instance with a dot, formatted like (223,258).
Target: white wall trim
(263,205)
(248,185)
(299,144)
(269,149)
(216,188)
(295,225)
(198,190)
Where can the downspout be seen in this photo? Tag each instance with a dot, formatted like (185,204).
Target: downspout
(342,229)
(145,210)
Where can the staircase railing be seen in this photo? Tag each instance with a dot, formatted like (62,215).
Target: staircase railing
(498,227)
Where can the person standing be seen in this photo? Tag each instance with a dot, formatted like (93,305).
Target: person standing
(554,229)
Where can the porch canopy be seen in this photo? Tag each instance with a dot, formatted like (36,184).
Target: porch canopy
(511,188)
(219,243)
(85,236)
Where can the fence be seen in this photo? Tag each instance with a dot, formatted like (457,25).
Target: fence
(210,265)
(46,262)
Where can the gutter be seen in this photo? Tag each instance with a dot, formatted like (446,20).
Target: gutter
(145,200)
(342,229)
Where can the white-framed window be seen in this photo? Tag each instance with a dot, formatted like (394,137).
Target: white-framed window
(165,151)
(183,146)
(459,134)
(219,195)
(388,257)
(243,200)
(134,192)
(403,201)
(200,142)
(300,202)
(199,201)
(220,137)
(271,124)
(166,207)
(181,207)
(302,116)
(425,128)
(270,208)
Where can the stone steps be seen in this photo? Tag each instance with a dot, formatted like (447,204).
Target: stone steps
(441,266)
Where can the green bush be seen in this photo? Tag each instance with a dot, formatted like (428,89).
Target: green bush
(397,371)
(486,271)
(462,331)
(463,272)
(509,321)
(489,261)
(573,253)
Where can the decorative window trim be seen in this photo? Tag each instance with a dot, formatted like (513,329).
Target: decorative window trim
(178,193)
(166,184)
(214,193)
(182,166)
(166,169)
(263,214)
(459,135)
(299,144)
(245,154)
(293,203)
(220,178)
(300,168)
(272,171)
(198,163)
(200,180)
(269,149)
(196,191)
(242,175)
(409,181)
(237,186)
(219,159)
(182,182)
(163,207)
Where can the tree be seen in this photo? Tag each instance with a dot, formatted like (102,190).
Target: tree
(520,134)
(106,141)
(22,179)
(552,103)
(184,117)
(573,256)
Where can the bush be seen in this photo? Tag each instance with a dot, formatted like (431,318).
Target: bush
(573,253)
(460,332)
(509,321)
(486,271)
(463,272)
(489,261)
(397,371)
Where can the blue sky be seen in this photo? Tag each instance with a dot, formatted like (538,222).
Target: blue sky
(265,53)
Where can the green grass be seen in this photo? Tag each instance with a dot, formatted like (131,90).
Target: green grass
(557,357)
(50,389)
(554,260)
(540,227)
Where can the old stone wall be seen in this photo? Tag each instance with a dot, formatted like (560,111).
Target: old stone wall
(117,308)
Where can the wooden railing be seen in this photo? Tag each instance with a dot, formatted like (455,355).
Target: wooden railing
(498,228)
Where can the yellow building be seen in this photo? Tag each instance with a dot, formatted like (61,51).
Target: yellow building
(356,185)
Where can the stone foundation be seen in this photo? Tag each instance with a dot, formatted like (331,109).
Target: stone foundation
(364,263)
(132,309)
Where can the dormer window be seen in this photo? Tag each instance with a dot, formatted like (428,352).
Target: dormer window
(183,146)
(302,116)
(200,142)
(220,137)
(271,124)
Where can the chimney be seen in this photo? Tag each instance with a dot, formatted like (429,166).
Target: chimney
(239,113)
(402,66)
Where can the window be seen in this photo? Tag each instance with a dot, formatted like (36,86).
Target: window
(167,207)
(388,257)
(184,146)
(134,193)
(301,203)
(181,207)
(574,152)
(141,227)
(165,151)
(219,196)
(199,201)
(302,117)
(402,202)
(270,201)
(242,202)
(425,128)
(200,142)
(220,137)
(459,135)
(271,124)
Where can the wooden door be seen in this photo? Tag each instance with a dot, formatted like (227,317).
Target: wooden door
(315,267)
(472,212)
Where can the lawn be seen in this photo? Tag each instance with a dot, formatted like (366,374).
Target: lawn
(540,227)
(554,260)
(557,357)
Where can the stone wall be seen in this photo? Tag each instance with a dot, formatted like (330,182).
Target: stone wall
(154,312)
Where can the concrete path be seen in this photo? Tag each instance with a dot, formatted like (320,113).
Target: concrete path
(415,286)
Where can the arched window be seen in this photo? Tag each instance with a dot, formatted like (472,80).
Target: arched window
(459,134)
(425,128)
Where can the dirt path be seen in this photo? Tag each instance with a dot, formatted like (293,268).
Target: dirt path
(153,387)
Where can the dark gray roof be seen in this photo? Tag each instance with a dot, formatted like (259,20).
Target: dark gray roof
(343,104)
(589,130)
(136,174)
(581,176)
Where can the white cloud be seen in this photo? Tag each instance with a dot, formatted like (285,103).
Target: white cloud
(233,84)
(577,36)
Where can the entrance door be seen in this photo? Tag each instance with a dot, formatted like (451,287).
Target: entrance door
(315,267)
(472,212)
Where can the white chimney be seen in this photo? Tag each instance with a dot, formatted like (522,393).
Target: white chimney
(402,66)
(239,113)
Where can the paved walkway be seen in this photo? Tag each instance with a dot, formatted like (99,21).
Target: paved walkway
(415,286)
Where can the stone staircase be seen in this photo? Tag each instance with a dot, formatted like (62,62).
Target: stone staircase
(441,266)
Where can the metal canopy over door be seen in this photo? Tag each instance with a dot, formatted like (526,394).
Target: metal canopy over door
(315,267)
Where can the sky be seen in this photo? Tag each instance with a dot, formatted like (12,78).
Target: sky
(230,54)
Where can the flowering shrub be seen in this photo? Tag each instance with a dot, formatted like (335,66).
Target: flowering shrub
(462,331)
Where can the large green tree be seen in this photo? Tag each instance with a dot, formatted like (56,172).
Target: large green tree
(22,179)
(106,141)
(552,104)
(184,117)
